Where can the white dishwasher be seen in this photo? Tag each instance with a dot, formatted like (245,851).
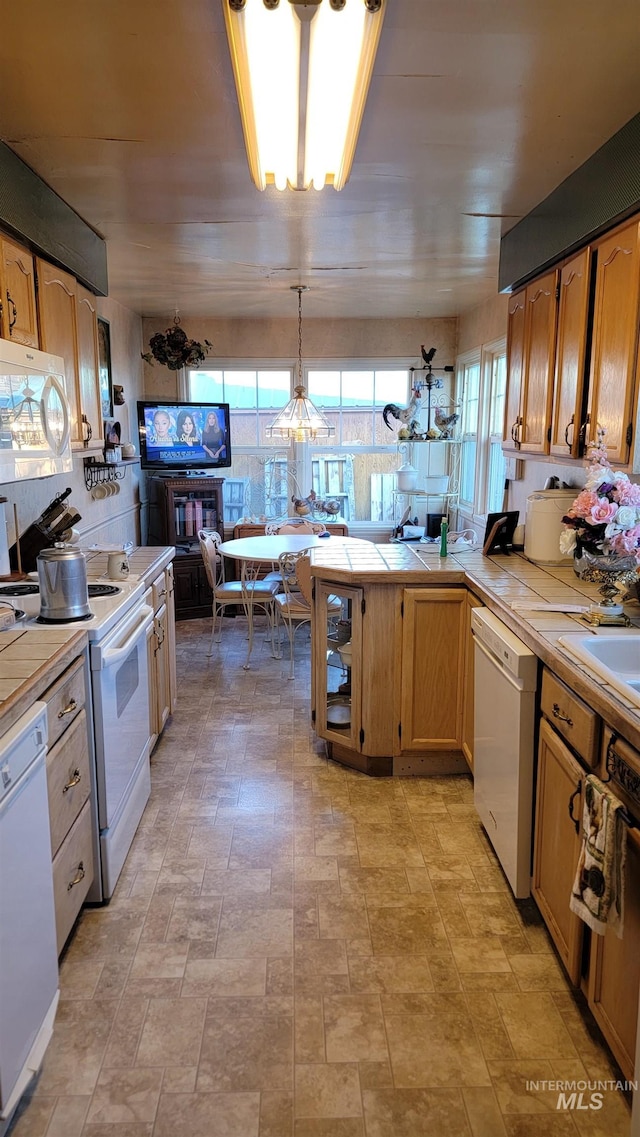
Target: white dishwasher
(506,677)
(28,953)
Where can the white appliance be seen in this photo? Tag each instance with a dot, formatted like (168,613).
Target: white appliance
(506,674)
(543,525)
(35,420)
(28,952)
(117,631)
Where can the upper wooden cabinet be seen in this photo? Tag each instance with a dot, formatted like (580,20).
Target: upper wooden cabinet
(18,320)
(530,358)
(88,377)
(568,423)
(615,338)
(68,327)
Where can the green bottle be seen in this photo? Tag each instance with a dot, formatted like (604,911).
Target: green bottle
(443,537)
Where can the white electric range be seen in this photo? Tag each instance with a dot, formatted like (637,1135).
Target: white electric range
(118,630)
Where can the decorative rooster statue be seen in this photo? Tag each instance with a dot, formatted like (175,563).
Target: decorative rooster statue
(404,415)
(312,504)
(445,423)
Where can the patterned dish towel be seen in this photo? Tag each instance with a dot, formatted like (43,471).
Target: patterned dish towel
(598,888)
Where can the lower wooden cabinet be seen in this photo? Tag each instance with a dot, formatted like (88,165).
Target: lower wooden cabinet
(72,873)
(161,652)
(433,659)
(193,597)
(558,837)
(69,788)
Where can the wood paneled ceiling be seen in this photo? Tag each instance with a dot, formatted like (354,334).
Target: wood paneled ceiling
(477,110)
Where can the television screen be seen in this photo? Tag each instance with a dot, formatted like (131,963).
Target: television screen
(184,436)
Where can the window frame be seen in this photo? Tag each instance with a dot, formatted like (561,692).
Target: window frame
(476,511)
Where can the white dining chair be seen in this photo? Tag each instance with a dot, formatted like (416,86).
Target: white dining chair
(245,593)
(297,527)
(294,603)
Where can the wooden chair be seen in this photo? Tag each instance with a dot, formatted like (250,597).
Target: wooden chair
(293,604)
(252,593)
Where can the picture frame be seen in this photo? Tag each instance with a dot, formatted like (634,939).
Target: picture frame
(498,535)
(104,368)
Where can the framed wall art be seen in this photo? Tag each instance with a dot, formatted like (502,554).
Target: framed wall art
(104,368)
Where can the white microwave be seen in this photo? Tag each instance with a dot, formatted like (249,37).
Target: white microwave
(35,420)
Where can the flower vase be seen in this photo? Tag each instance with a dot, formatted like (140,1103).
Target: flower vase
(609,571)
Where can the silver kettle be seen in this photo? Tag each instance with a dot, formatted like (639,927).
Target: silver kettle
(62,575)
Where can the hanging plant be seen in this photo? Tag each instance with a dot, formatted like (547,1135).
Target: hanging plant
(174,349)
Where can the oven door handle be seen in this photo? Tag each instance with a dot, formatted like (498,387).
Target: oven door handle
(113,655)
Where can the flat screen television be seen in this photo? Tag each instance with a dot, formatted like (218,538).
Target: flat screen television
(183,436)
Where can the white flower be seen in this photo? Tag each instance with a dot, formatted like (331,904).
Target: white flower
(567,542)
(626,517)
(597,476)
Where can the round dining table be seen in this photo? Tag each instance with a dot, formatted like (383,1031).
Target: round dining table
(251,552)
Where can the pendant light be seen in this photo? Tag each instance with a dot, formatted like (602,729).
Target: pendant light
(300,419)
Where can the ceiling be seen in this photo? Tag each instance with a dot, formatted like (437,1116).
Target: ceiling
(477,110)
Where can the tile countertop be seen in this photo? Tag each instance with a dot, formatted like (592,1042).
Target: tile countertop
(145,562)
(499,582)
(30,661)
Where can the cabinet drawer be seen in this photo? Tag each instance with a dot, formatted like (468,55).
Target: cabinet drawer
(572,718)
(65,700)
(159,590)
(67,779)
(72,874)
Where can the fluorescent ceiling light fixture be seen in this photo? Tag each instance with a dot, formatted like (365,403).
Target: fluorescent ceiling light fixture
(300,419)
(302,71)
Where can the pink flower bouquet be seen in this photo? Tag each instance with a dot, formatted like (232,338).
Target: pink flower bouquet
(604,519)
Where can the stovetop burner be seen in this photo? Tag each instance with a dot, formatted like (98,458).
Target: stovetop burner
(67,620)
(33,590)
(103,590)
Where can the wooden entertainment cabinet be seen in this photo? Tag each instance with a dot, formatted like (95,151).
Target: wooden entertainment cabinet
(178,507)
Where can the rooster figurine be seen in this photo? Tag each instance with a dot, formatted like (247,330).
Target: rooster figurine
(404,415)
(445,423)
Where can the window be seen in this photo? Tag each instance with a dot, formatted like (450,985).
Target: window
(482,379)
(355,467)
(257,482)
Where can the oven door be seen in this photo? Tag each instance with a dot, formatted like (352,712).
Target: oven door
(121,710)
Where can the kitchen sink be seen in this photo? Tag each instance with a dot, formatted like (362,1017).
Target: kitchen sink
(616,659)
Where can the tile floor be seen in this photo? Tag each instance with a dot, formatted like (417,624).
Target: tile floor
(295,950)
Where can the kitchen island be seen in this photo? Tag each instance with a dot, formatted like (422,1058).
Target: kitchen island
(409,686)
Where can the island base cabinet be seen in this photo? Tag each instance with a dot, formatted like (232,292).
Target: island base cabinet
(614,969)
(557,845)
(433,661)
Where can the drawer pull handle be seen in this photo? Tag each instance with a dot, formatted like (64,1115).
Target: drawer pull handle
(576,792)
(68,710)
(80,875)
(557,714)
(75,778)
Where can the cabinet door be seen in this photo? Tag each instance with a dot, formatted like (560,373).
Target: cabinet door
(88,379)
(153,691)
(18,300)
(557,845)
(567,434)
(433,655)
(615,336)
(540,342)
(614,969)
(161,676)
(515,367)
(337,679)
(467,719)
(171,639)
(57,322)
